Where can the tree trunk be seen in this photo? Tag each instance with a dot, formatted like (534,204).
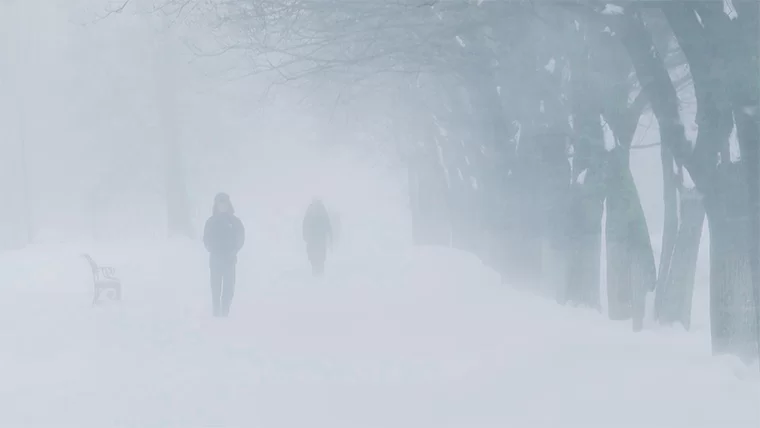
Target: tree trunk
(523,187)
(584,248)
(525,231)
(588,187)
(631,271)
(673,300)
(495,214)
(651,72)
(630,261)
(751,160)
(430,224)
(670,215)
(746,100)
(14,49)
(464,217)
(656,84)
(177,207)
(732,311)
(732,307)
(554,199)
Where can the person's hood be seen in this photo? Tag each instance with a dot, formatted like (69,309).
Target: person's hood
(317,205)
(222,198)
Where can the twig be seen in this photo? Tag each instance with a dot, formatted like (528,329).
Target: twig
(119,9)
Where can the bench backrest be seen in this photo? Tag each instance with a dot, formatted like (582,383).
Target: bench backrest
(94,266)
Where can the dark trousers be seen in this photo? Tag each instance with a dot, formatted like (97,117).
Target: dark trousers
(222,284)
(317,253)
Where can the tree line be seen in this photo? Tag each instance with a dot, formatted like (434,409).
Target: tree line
(517,120)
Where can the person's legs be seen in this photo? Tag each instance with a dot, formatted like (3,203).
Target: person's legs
(319,268)
(216,286)
(228,291)
(310,255)
(317,253)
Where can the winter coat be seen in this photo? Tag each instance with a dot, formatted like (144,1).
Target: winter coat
(316,225)
(223,235)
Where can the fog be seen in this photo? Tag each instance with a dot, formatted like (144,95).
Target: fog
(94,97)
(495,246)
(95,101)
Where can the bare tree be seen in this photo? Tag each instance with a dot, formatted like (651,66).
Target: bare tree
(511,115)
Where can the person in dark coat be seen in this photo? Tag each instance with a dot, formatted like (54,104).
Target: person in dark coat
(317,233)
(223,236)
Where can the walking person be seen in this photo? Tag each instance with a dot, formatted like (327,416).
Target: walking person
(223,236)
(317,233)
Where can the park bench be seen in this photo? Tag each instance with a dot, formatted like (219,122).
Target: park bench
(104,280)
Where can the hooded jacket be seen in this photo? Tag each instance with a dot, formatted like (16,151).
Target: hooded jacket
(224,234)
(316,224)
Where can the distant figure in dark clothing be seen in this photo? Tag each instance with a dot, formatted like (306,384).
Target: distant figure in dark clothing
(223,237)
(317,233)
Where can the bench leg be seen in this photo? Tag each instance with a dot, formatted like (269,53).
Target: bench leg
(95,296)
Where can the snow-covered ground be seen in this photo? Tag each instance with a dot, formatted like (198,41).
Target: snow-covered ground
(406,338)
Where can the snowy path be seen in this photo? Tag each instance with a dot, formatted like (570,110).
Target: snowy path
(372,345)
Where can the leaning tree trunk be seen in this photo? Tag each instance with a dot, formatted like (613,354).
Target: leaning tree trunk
(675,278)
(670,215)
(631,271)
(630,260)
(675,291)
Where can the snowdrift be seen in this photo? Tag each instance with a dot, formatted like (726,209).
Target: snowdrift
(424,337)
